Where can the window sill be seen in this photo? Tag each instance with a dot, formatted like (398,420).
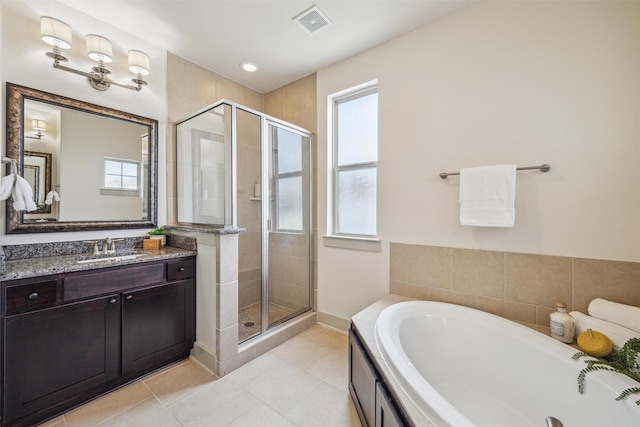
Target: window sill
(357,243)
(119,192)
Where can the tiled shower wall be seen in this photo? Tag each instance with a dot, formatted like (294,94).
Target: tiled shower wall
(295,103)
(520,287)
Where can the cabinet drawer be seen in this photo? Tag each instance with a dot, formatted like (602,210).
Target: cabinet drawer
(182,269)
(99,283)
(34,295)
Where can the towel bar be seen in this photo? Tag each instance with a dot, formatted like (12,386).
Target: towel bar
(542,168)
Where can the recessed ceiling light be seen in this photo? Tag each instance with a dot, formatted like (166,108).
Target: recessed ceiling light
(249,67)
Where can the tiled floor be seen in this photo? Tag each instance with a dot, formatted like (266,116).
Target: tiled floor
(303,382)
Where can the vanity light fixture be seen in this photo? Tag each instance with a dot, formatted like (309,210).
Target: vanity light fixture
(39,126)
(58,34)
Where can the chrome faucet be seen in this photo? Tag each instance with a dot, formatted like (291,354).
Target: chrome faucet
(553,422)
(109,246)
(105,246)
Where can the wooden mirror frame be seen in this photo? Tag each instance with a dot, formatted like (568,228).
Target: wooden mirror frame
(16,96)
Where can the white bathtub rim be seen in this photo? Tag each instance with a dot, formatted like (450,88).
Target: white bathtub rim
(421,392)
(401,373)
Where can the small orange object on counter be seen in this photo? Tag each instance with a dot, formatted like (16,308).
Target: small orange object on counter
(151,244)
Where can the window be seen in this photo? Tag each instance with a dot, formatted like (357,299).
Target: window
(355,157)
(121,174)
(287,147)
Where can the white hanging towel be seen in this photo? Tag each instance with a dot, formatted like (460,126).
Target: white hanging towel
(52,196)
(487,196)
(22,195)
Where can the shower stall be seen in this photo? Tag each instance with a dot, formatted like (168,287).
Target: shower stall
(248,170)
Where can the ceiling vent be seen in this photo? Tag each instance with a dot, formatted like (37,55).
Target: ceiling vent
(312,20)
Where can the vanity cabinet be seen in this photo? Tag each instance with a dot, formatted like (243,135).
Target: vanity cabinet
(157,323)
(375,405)
(63,346)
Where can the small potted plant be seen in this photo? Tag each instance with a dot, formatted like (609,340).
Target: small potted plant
(158,233)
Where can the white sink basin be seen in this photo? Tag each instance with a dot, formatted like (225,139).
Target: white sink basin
(110,259)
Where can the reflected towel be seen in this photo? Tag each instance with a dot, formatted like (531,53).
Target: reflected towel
(487,196)
(51,197)
(23,195)
(621,314)
(616,333)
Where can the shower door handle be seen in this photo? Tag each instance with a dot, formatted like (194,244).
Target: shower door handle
(269,225)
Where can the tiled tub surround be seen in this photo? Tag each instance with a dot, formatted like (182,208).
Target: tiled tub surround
(519,287)
(42,259)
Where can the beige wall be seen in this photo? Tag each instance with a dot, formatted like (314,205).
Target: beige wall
(520,287)
(498,82)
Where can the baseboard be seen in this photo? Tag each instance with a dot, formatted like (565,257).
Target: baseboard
(334,322)
(203,357)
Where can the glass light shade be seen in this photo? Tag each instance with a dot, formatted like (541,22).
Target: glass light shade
(139,62)
(99,48)
(55,32)
(39,124)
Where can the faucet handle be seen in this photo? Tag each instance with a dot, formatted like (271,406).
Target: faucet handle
(95,246)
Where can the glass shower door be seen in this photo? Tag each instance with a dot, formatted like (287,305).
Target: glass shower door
(288,226)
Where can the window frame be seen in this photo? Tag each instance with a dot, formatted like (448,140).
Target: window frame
(334,101)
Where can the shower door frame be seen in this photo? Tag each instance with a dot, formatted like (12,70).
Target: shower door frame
(266,156)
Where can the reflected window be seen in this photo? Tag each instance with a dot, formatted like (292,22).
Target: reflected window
(121,174)
(355,159)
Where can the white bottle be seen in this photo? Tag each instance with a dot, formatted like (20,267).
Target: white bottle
(562,324)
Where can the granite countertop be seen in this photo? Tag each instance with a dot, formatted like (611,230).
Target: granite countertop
(44,266)
(365,323)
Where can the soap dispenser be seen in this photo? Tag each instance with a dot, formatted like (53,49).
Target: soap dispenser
(562,324)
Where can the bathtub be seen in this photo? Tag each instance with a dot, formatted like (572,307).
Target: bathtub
(463,367)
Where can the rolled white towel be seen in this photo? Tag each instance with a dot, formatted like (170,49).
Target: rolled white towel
(616,333)
(622,314)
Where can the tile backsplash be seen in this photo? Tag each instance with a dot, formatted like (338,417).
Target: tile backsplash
(520,287)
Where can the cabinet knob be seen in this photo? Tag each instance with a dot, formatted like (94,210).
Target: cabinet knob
(112,301)
(129,297)
(181,269)
(33,296)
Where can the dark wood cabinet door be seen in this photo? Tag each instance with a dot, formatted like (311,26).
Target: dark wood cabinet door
(386,414)
(362,382)
(157,324)
(53,355)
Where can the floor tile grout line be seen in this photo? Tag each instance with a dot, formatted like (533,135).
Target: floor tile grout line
(165,406)
(124,410)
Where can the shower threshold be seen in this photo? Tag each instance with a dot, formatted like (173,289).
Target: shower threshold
(249,319)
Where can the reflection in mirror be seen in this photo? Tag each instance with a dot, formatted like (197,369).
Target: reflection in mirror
(37,172)
(102,163)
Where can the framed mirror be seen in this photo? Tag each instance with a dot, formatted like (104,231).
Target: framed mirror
(96,166)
